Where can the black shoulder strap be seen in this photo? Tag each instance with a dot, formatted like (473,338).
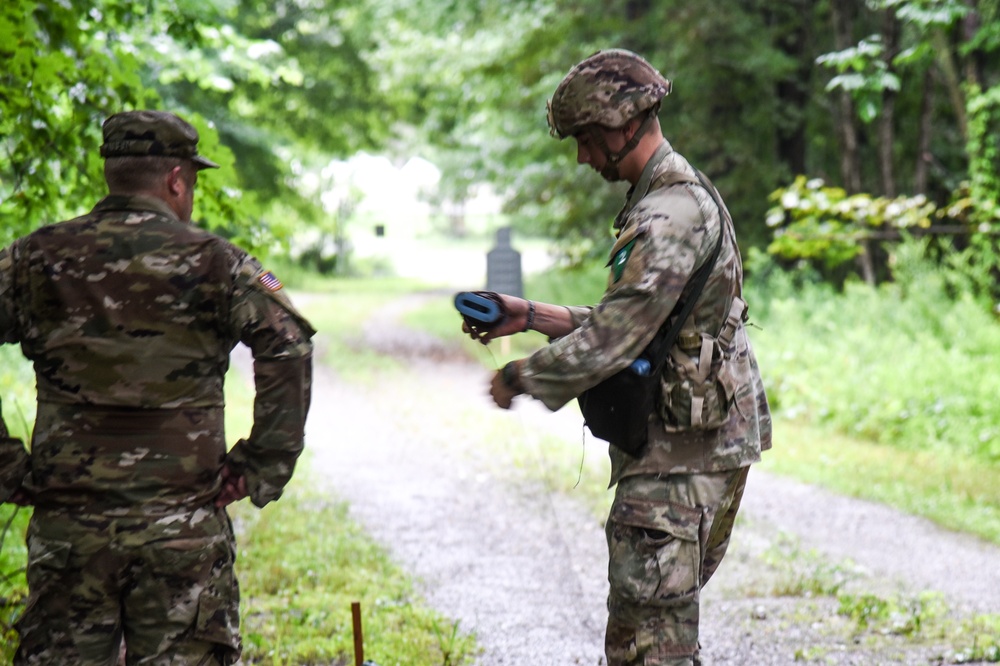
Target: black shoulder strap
(659,347)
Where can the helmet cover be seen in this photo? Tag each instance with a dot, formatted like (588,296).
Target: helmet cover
(609,88)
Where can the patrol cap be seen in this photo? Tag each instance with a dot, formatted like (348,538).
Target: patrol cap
(152,133)
(608,88)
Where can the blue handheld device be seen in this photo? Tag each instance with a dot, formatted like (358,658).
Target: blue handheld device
(477,308)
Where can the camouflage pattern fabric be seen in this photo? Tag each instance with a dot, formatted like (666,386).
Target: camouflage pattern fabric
(128,316)
(128,308)
(166,586)
(664,236)
(666,537)
(609,88)
(14,462)
(152,133)
(675,504)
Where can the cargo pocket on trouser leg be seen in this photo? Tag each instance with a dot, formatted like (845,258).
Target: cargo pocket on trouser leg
(218,618)
(185,606)
(43,629)
(654,569)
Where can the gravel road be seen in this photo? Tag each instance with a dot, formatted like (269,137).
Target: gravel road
(524,567)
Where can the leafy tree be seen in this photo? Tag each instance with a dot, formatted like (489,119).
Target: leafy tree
(272,88)
(479,75)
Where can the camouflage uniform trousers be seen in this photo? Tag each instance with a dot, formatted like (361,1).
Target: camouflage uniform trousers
(666,537)
(165,585)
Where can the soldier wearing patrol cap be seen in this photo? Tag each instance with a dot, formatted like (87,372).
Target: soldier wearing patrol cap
(129,314)
(678,495)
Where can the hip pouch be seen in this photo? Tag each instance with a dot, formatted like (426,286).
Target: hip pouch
(698,384)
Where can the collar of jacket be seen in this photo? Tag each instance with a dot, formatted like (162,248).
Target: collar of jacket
(136,202)
(638,191)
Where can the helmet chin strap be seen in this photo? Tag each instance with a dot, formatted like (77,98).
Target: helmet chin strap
(614,159)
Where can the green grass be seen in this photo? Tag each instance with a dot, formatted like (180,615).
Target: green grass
(923,620)
(953,489)
(302,562)
(907,364)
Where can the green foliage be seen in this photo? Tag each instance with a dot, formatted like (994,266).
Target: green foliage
(17,392)
(480,73)
(818,223)
(832,364)
(906,618)
(862,71)
(984,155)
(258,81)
(57,81)
(72,65)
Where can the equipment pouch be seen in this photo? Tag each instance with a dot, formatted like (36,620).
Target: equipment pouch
(618,409)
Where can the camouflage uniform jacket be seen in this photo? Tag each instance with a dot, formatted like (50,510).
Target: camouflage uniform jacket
(128,316)
(664,235)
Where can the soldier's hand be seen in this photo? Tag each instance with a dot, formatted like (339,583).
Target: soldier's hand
(503,395)
(515,321)
(234,487)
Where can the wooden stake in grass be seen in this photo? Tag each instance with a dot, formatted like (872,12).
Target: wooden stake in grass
(359,641)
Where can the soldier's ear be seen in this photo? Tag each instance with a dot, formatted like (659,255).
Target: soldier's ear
(175,181)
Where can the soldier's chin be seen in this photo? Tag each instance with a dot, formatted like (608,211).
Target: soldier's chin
(610,174)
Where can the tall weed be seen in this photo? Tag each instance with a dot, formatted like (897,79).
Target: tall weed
(906,363)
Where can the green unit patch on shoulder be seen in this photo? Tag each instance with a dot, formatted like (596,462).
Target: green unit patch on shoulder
(620,259)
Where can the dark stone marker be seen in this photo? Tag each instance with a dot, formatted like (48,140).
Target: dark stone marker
(503,266)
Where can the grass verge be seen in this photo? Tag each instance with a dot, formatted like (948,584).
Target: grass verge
(302,563)
(955,491)
(917,624)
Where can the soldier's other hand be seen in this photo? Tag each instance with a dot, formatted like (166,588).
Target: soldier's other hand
(20,497)
(503,395)
(234,488)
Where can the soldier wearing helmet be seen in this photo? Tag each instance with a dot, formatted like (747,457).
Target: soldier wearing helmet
(606,92)
(675,262)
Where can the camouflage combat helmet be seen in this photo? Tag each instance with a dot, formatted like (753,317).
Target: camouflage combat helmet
(609,88)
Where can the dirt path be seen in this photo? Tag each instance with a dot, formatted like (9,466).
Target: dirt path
(524,568)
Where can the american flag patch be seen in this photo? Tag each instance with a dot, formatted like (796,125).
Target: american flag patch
(269,281)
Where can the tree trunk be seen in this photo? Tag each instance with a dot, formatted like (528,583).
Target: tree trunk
(952,82)
(974,64)
(792,23)
(924,134)
(887,120)
(841,13)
